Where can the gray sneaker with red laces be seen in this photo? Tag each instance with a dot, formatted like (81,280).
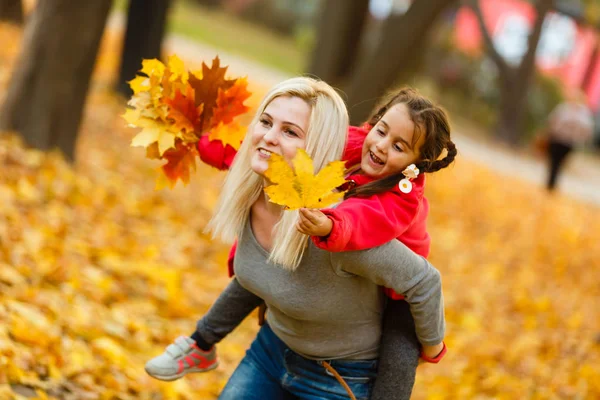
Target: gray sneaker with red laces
(180,358)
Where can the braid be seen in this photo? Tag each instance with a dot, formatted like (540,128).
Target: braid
(428,166)
(429,120)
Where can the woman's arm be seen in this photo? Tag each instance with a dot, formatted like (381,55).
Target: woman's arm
(395,266)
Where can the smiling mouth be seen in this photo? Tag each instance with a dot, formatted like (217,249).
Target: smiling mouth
(264,153)
(376,159)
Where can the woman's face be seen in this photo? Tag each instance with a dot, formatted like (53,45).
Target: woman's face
(280,129)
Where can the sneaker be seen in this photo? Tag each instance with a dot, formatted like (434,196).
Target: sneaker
(180,358)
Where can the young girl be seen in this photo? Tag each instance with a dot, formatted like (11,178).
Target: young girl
(388,156)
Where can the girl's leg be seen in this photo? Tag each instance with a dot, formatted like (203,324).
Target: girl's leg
(197,354)
(399,355)
(260,372)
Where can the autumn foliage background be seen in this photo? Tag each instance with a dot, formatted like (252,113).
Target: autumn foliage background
(99,272)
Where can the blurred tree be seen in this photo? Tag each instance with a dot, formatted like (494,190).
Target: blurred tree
(11,10)
(47,91)
(338,32)
(210,3)
(146,22)
(396,56)
(267,13)
(514,80)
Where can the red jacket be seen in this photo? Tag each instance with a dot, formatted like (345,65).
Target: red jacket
(360,223)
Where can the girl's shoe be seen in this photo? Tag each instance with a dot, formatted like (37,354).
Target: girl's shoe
(180,358)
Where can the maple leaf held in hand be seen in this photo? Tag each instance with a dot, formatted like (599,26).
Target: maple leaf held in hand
(299,187)
(231,134)
(185,114)
(152,132)
(175,108)
(207,89)
(230,103)
(180,161)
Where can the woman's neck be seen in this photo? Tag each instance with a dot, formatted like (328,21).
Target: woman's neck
(266,206)
(264,216)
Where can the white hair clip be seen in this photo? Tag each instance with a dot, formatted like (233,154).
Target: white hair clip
(411,172)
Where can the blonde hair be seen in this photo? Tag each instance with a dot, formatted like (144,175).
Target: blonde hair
(325,141)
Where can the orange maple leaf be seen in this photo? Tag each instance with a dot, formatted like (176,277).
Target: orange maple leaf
(207,89)
(184,112)
(230,103)
(152,151)
(180,160)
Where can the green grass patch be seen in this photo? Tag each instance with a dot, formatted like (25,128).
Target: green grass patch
(120,5)
(225,31)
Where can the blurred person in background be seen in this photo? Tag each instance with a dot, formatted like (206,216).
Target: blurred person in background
(569,125)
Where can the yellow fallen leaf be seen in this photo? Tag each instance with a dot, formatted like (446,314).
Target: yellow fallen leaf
(110,350)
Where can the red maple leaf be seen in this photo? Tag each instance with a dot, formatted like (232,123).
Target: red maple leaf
(180,160)
(183,111)
(207,89)
(230,103)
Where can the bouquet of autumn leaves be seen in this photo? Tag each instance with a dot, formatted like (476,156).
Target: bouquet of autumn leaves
(175,108)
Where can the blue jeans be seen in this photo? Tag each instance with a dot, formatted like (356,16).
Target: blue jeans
(271,370)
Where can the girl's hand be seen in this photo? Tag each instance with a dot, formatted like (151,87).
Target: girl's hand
(431,353)
(313,222)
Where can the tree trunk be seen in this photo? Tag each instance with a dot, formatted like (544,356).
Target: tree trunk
(49,85)
(338,36)
(513,106)
(516,84)
(146,22)
(11,11)
(403,39)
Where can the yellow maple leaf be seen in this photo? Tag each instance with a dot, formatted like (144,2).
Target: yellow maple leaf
(139,84)
(231,134)
(154,133)
(177,69)
(152,67)
(299,187)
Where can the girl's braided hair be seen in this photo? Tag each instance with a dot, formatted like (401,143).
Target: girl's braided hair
(430,120)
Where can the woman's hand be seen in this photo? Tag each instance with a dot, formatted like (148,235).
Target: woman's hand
(313,222)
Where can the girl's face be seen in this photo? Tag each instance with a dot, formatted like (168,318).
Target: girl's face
(388,146)
(280,129)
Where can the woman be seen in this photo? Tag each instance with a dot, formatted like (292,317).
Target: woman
(324,309)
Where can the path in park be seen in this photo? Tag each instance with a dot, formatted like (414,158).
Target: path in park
(581,179)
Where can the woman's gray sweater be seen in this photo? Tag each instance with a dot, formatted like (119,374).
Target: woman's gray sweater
(331,306)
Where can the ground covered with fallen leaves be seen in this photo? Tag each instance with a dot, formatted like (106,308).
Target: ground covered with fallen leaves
(99,272)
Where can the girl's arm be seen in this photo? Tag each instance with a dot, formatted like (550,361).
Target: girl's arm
(395,266)
(354,144)
(215,154)
(230,259)
(228,311)
(363,223)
